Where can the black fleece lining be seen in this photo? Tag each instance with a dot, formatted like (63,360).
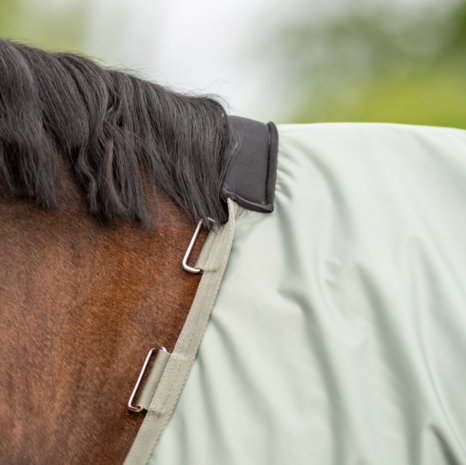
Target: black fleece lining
(251,176)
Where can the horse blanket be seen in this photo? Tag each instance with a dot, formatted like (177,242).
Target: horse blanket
(338,334)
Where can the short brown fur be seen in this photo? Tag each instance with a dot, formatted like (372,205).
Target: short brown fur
(80,305)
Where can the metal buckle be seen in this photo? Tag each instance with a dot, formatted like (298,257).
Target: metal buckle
(190,247)
(131,407)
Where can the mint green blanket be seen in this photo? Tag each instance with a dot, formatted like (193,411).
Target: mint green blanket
(338,336)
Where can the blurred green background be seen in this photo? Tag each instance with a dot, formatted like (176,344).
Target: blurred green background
(51,24)
(360,61)
(379,62)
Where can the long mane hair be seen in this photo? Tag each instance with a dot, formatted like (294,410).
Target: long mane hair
(113,129)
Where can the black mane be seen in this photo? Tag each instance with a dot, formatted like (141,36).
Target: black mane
(113,129)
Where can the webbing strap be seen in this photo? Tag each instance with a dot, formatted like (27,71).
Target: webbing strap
(182,358)
(153,380)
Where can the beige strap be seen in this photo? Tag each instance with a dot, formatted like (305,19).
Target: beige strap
(153,379)
(179,364)
(205,251)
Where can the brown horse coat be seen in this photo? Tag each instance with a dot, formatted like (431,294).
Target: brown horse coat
(81,304)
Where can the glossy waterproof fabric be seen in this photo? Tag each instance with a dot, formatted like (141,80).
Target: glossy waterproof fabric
(339,331)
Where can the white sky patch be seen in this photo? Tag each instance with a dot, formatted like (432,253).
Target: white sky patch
(203,46)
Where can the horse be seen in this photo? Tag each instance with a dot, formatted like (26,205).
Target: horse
(321,322)
(102,176)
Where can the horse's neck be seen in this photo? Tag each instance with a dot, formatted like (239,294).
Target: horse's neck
(80,305)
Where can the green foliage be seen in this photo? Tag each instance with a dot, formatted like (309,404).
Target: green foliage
(435,96)
(45,23)
(378,64)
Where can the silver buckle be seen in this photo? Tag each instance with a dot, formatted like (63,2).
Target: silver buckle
(190,247)
(131,407)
